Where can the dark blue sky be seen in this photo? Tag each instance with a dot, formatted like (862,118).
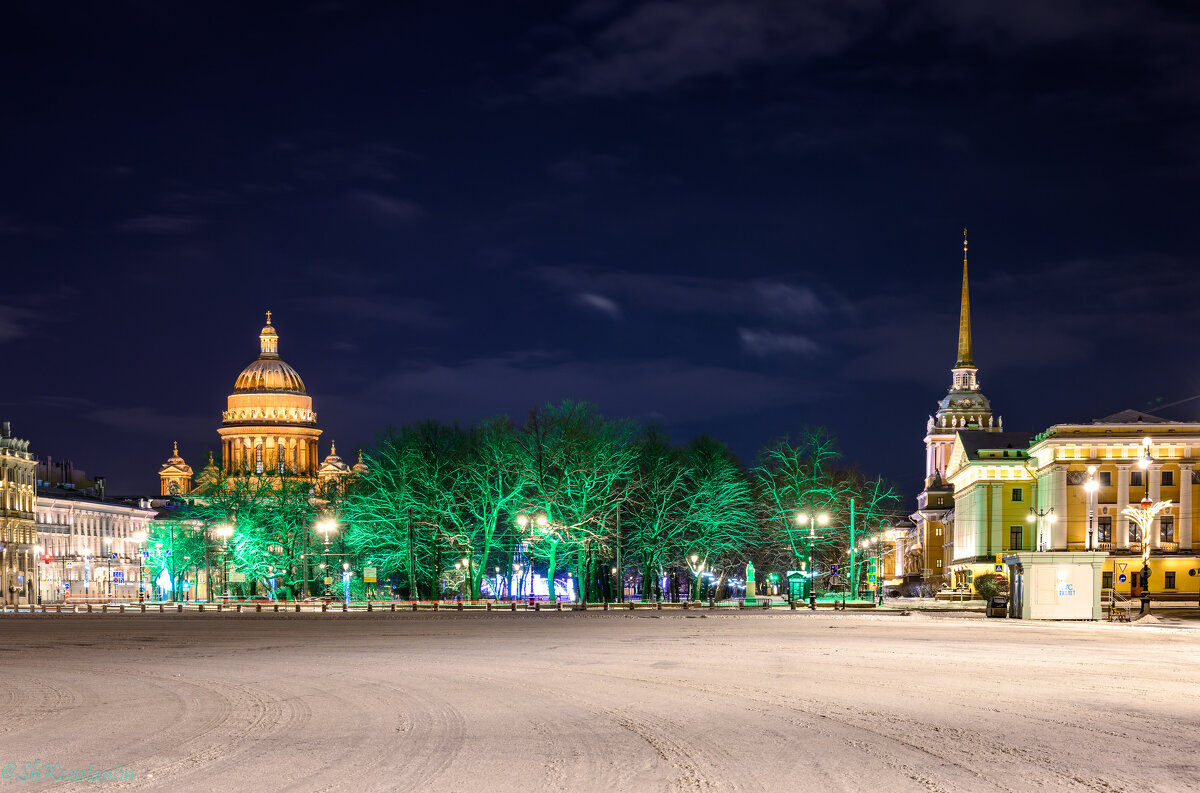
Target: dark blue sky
(736,217)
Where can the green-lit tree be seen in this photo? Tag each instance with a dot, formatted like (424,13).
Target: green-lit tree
(721,520)
(657,507)
(176,546)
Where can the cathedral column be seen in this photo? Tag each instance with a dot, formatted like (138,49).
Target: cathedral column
(1122,538)
(1185,506)
(1155,474)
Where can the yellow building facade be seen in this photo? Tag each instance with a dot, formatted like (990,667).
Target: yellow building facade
(1035,496)
(18,530)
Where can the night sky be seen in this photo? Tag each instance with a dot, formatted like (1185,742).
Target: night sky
(734,217)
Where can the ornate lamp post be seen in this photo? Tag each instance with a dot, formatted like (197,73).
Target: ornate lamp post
(1091,486)
(1144,516)
(1040,518)
(139,537)
(812,520)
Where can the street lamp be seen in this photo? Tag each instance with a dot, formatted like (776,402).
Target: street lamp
(139,537)
(1144,516)
(542,530)
(1091,486)
(325,527)
(1036,517)
(225,531)
(812,520)
(697,566)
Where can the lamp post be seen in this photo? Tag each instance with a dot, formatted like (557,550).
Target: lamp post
(1144,516)
(812,520)
(325,527)
(1091,486)
(1039,517)
(224,531)
(538,527)
(139,537)
(696,565)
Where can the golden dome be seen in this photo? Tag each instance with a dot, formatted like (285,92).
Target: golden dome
(269,372)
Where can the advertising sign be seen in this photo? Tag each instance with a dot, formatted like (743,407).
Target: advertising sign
(369,574)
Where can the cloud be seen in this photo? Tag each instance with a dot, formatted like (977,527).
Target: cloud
(600,303)
(161,224)
(388,209)
(655,45)
(696,294)
(343,308)
(764,342)
(671,390)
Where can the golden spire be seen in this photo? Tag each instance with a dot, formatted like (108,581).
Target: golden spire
(333,448)
(964,316)
(268,317)
(176,449)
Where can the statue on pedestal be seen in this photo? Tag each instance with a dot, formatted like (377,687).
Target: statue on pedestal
(750,598)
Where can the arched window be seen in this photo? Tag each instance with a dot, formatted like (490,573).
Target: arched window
(258,457)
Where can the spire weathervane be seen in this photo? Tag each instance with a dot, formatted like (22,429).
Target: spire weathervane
(964,315)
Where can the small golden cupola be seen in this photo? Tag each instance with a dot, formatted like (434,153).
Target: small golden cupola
(175,475)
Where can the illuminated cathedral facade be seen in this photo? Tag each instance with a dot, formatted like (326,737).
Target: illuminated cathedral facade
(268,428)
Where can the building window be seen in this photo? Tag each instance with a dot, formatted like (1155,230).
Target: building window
(1018,494)
(1135,479)
(1169,580)
(939,562)
(258,459)
(1105,478)
(1016,538)
(1168,478)
(938,531)
(1166,528)
(1104,529)
(1106,580)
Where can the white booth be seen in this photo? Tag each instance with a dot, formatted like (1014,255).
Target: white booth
(1054,585)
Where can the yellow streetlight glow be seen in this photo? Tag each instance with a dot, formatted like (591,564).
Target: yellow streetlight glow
(542,522)
(822,518)
(522,520)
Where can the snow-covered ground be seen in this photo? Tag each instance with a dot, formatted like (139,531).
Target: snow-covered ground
(648,701)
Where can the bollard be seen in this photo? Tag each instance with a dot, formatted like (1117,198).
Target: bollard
(460,605)
(660,605)
(89,608)
(324,606)
(344,609)
(685,605)
(369,606)
(297,608)
(258,608)
(537,606)
(437,605)
(239,608)
(793,605)
(160,608)
(58,609)
(179,608)
(766,604)
(104,609)
(558,606)
(631,605)
(414,605)
(606,605)
(276,608)
(120,608)
(514,605)
(393,606)
(201,608)
(218,607)
(489,605)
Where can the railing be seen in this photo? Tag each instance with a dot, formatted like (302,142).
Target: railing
(1104,546)
(1168,547)
(1116,604)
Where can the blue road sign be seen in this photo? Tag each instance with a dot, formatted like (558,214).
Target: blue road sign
(118,577)
(66,586)
(114,556)
(1122,578)
(833,569)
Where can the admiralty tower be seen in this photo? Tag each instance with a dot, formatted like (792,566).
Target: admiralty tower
(269,425)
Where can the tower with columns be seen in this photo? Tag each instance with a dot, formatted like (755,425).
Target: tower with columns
(269,426)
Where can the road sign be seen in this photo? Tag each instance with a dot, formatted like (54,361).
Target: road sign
(833,569)
(999,568)
(369,575)
(66,585)
(999,559)
(68,565)
(1122,566)
(1122,578)
(870,578)
(118,577)
(114,556)
(328,579)
(236,578)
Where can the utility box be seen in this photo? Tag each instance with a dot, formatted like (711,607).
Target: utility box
(1055,585)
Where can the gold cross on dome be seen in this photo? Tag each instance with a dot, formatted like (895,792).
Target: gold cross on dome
(268,317)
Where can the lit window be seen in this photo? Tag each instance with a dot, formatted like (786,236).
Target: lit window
(1166,528)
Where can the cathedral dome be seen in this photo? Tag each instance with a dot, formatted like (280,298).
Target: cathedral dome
(269,372)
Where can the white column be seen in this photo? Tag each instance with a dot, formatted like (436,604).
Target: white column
(1155,474)
(1122,530)
(1185,505)
(1058,495)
